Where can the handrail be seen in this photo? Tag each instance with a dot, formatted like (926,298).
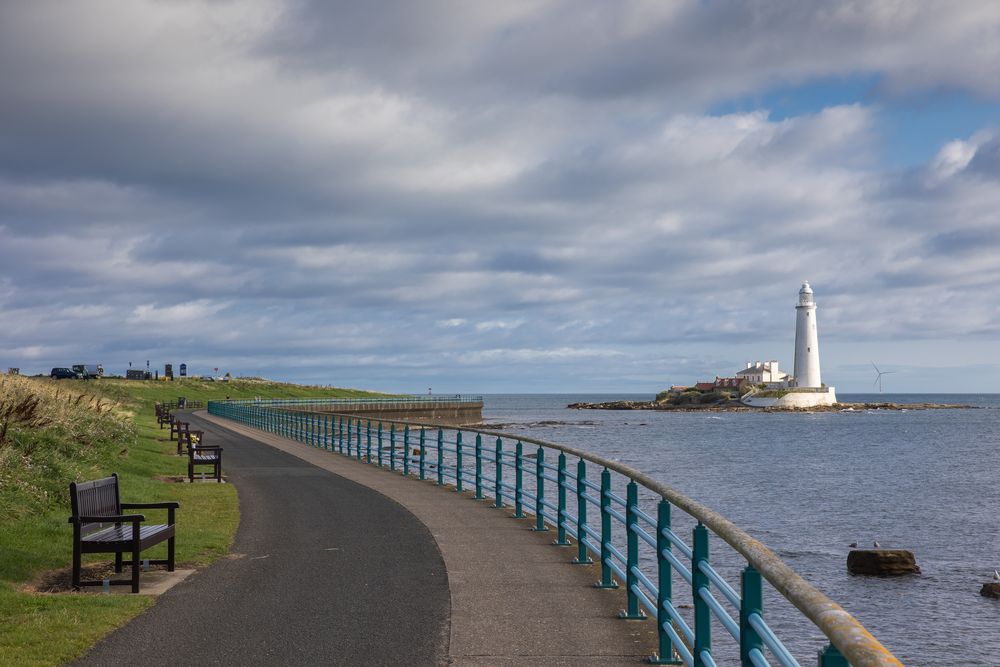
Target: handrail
(845,633)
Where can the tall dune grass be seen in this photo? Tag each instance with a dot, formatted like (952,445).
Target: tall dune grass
(51,435)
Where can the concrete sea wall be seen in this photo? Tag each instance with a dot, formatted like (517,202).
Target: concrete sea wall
(450,413)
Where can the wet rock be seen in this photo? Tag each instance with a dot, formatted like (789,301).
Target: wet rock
(991,590)
(882,562)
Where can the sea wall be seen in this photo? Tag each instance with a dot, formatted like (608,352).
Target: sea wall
(450,413)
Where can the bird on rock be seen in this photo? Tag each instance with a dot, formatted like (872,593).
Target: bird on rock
(996,575)
(877,544)
(853,545)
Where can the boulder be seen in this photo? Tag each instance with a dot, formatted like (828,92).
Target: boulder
(882,562)
(991,590)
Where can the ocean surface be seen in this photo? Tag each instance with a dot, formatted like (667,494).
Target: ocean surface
(807,485)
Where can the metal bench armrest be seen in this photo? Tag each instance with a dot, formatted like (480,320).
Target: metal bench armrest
(166,505)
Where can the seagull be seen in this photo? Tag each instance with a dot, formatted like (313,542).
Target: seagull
(996,575)
(876,544)
(853,545)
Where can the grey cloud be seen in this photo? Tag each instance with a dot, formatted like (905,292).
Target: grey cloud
(688,52)
(309,193)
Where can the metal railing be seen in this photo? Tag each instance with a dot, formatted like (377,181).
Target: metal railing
(633,536)
(351,402)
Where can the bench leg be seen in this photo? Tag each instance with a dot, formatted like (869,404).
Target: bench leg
(170,555)
(77,557)
(191,471)
(135,566)
(218,472)
(118,561)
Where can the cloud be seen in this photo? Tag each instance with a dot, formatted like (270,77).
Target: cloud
(307,189)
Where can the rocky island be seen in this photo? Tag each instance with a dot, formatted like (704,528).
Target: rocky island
(729,404)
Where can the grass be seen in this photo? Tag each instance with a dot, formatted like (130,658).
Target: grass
(54,432)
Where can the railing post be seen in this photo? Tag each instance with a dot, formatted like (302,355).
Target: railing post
(751,602)
(518,481)
(700,582)
(440,457)
(340,434)
(406,449)
(357,444)
(479,466)
(664,587)
(327,436)
(392,446)
(830,656)
(561,515)
(582,557)
(350,435)
(368,441)
(380,444)
(632,612)
(540,491)
(498,487)
(607,580)
(423,455)
(458,461)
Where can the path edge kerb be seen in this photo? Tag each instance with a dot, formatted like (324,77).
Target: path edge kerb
(303,455)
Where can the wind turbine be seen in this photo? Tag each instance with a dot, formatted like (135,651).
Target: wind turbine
(878,378)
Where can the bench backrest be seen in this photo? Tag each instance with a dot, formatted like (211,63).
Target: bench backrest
(99,497)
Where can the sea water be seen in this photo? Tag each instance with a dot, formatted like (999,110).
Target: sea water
(809,484)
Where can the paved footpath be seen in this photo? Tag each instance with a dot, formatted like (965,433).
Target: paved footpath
(343,563)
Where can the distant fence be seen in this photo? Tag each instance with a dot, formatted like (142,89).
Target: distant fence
(454,410)
(349,402)
(634,537)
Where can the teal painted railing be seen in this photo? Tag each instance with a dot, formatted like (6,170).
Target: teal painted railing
(634,534)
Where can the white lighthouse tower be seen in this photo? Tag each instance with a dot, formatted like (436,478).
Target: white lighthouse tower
(808,390)
(806,340)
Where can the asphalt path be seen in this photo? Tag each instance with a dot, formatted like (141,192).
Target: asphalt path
(323,571)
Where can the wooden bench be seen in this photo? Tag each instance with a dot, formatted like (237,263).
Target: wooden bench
(163,413)
(186,437)
(99,526)
(202,455)
(175,426)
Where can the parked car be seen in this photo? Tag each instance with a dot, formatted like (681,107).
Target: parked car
(87,371)
(64,374)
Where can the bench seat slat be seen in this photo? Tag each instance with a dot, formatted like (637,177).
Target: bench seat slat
(124,533)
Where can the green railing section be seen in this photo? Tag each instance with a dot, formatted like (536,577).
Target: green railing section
(634,534)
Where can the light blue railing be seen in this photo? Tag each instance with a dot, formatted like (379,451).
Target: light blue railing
(634,538)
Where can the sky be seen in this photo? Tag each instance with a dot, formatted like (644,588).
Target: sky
(523,196)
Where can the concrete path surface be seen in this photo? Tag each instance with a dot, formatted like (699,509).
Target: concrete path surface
(424,575)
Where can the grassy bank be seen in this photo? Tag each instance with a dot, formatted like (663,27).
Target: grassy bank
(54,432)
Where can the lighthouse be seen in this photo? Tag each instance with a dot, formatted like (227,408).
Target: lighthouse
(806,340)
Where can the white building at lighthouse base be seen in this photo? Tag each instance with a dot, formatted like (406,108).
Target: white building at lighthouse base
(796,397)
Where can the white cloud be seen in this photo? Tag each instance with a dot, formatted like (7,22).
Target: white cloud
(191,313)
(498,325)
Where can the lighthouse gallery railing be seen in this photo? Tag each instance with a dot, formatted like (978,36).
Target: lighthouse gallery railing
(629,543)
